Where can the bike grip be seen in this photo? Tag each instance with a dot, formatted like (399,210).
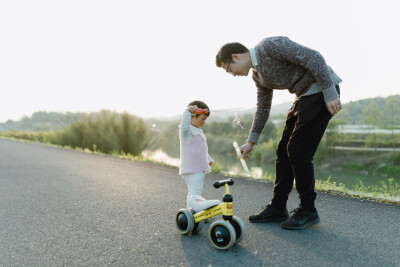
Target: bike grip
(229,181)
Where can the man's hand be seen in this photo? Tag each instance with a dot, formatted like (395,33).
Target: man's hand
(334,106)
(246,149)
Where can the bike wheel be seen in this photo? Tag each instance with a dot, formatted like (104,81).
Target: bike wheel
(198,226)
(222,235)
(184,221)
(239,227)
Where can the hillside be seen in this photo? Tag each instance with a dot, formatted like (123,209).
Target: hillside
(42,121)
(379,111)
(275,110)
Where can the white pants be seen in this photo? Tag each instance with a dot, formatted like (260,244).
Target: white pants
(194,199)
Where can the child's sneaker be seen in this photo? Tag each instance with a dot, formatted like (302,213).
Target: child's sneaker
(198,203)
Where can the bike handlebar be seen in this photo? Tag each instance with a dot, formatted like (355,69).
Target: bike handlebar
(229,181)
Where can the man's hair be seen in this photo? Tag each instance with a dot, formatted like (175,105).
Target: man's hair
(200,104)
(227,50)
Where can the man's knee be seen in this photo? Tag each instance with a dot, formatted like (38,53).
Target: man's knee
(298,155)
(281,151)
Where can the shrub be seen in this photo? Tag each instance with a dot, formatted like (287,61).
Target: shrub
(106,132)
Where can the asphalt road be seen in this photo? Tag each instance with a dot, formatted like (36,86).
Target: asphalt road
(62,207)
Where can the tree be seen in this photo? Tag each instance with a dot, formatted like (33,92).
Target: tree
(372,115)
(392,108)
(168,139)
(107,132)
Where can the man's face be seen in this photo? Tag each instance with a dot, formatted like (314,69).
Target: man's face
(237,67)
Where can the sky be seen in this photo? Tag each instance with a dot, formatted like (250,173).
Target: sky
(151,58)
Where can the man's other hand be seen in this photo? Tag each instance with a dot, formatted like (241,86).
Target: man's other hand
(246,149)
(334,106)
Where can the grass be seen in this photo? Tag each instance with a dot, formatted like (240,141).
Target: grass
(382,169)
(388,192)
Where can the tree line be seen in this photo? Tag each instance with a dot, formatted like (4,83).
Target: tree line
(379,111)
(105,131)
(108,131)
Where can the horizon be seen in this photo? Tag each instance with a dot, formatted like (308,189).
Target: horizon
(240,109)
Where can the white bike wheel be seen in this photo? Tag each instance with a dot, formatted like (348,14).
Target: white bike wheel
(184,221)
(239,227)
(222,235)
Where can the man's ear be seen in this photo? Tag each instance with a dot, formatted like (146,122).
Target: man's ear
(235,57)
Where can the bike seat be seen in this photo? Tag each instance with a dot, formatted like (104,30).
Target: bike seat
(203,204)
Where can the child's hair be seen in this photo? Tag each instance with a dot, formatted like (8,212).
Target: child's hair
(200,104)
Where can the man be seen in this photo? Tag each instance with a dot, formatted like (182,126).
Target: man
(279,63)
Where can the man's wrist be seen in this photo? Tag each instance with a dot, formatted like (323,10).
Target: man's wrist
(330,93)
(253,138)
(251,143)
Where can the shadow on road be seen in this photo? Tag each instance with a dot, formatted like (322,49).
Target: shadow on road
(198,244)
(328,247)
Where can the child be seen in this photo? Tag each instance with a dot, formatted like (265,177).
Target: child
(195,161)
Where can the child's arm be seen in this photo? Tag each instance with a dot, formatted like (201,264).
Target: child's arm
(185,123)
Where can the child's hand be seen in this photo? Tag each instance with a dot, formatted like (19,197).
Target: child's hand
(191,109)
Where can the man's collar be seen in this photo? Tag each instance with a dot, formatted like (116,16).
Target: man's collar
(253,55)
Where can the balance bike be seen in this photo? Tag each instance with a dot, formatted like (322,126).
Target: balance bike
(224,233)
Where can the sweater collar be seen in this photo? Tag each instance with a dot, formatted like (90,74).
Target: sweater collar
(197,131)
(253,55)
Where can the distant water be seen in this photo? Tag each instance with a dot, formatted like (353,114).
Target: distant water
(231,166)
(161,156)
(364,129)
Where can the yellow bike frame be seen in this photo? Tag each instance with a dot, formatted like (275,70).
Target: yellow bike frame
(225,208)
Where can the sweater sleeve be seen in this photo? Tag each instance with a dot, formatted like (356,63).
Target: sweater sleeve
(264,101)
(282,48)
(185,132)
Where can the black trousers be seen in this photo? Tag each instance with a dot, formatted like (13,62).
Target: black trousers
(306,123)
